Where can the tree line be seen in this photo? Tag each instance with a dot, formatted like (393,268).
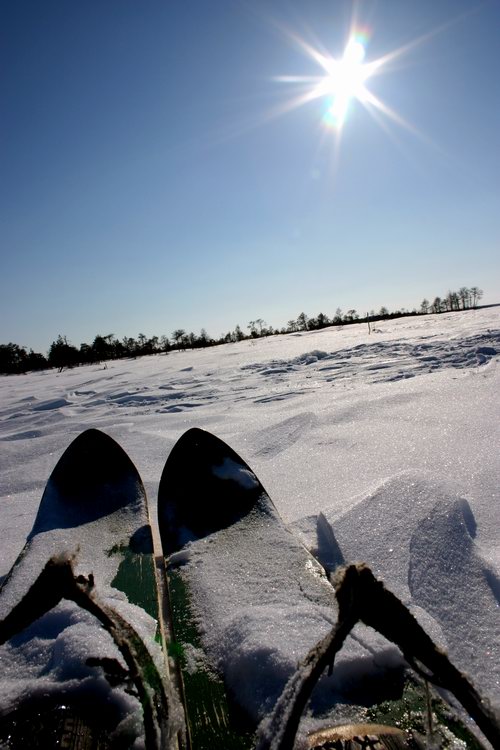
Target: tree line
(62,354)
(464,299)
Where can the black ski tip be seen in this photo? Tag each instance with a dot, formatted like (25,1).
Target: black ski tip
(92,457)
(205,486)
(89,481)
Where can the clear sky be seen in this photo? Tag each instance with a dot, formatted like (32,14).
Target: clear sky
(155,175)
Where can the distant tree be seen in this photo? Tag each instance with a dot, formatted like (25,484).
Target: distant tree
(261,324)
(437,305)
(464,297)
(238,334)
(292,326)
(451,302)
(476,294)
(102,348)
(424,307)
(252,325)
(119,349)
(383,312)
(179,336)
(351,316)
(164,344)
(86,354)
(36,361)
(12,358)
(153,344)
(62,354)
(322,320)
(201,340)
(130,347)
(337,318)
(302,321)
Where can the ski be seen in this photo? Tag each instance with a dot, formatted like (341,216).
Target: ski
(217,523)
(84,587)
(233,571)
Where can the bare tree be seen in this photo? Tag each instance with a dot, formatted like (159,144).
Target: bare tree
(261,323)
(436,306)
(253,329)
(179,336)
(302,321)
(204,338)
(238,334)
(452,301)
(464,296)
(476,295)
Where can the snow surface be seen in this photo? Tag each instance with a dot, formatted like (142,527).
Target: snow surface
(381,448)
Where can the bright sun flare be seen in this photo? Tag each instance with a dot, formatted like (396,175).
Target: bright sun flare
(343,80)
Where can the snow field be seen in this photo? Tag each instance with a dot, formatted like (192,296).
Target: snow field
(381,448)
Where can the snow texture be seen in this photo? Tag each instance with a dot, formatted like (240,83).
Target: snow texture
(254,624)
(381,448)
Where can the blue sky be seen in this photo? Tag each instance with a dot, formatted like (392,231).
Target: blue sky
(147,182)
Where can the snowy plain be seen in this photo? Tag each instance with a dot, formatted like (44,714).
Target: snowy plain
(387,442)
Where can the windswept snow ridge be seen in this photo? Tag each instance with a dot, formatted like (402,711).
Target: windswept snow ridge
(419,538)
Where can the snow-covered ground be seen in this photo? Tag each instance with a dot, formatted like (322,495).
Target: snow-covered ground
(388,442)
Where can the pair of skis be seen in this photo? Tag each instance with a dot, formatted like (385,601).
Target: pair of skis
(90,558)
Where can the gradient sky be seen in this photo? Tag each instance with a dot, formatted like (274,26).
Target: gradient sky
(153,175)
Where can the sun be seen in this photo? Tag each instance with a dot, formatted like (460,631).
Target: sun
(343,80)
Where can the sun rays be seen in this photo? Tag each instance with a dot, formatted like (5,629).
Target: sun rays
(343,80)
